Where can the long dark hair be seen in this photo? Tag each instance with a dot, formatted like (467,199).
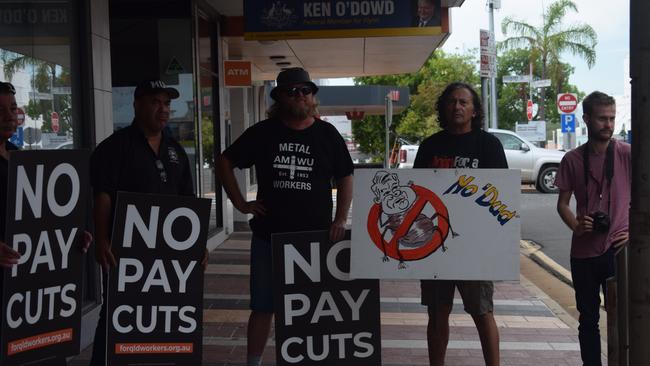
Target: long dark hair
(477,121)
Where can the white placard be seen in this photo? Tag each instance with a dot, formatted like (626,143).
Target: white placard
(488,54)
(515,79)
(464,224)
(532,131)
(545,83)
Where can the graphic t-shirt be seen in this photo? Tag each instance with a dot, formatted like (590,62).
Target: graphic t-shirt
(294,171)
(475,149)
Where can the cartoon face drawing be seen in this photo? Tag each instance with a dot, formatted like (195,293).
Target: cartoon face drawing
(393,197)
(398,209)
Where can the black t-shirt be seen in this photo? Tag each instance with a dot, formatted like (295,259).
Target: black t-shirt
(4,175)
(475,149)
(294,171)
(126,162)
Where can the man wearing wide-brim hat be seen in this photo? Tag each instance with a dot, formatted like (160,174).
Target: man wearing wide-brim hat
(290,197)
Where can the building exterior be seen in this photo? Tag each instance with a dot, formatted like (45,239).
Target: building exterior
(75,64)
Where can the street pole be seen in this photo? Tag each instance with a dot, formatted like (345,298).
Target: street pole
(486,109)
(493,80)
(639,257)
(389,121)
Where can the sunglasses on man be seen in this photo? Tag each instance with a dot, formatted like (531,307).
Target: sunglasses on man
(303,90)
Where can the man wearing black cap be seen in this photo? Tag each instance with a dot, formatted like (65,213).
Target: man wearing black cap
(139,158)
(295,155)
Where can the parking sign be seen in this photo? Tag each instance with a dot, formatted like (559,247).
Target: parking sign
(17,137)
(568,122)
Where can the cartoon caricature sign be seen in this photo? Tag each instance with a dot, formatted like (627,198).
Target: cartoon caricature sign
(444,224)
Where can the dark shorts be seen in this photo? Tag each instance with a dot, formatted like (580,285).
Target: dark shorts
(477,295)
(261,276)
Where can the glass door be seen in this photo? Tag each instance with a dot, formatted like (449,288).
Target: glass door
(208,103)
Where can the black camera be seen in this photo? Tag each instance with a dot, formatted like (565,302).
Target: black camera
(601,221)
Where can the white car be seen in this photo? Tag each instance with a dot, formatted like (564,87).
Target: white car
(65,146)
(538,166)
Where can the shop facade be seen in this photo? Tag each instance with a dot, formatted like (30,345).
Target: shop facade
(75,65)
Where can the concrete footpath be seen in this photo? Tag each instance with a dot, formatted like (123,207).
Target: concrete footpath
(534,329)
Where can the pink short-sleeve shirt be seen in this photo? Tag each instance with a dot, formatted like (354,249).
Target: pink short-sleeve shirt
(570,178)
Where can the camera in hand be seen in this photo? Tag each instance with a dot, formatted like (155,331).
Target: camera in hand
(601,221)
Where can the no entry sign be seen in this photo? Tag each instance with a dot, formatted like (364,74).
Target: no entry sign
(567,102)
(529,109)
(55,122)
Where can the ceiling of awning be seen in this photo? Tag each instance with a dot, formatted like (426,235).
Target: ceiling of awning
(334,57)
(339,57)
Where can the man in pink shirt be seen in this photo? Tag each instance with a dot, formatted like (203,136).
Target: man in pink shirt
(599,175)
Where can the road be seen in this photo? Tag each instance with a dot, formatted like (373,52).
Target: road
(541,224)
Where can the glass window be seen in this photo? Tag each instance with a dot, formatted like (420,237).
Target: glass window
(39,56)
(209,108)
(163,50)
(509,142)
(36,39)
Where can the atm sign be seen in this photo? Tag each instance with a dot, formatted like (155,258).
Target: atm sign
(237,73)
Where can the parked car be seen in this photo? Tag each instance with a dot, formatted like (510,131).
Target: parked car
(538,166)
(65,146)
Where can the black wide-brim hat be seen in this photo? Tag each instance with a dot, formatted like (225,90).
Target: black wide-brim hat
(292,76)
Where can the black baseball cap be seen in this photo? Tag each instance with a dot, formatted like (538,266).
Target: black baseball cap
(149,87)
(292,76)
(6,87)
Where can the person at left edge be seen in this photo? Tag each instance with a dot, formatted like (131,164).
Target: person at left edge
(8,124)
(140,158)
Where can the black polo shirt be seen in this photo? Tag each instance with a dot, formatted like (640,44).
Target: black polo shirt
(126,162)
(4,175)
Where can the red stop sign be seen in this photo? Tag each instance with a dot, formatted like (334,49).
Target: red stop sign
(567,102)
(529,109)
(55,122)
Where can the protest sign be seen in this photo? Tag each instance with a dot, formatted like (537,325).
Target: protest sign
(322,317)
(45,220)
(155,294)
(450,224)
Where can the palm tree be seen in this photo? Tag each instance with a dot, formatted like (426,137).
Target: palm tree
(548,42)
(45,76)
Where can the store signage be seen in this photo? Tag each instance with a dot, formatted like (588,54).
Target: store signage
(237,73)
(296,19)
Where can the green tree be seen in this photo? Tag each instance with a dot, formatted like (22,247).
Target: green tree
(207,135)
(547,42)
(46,76)
(419,120)
(513,97)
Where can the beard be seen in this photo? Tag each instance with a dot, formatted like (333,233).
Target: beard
(299,111)
(601,135)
